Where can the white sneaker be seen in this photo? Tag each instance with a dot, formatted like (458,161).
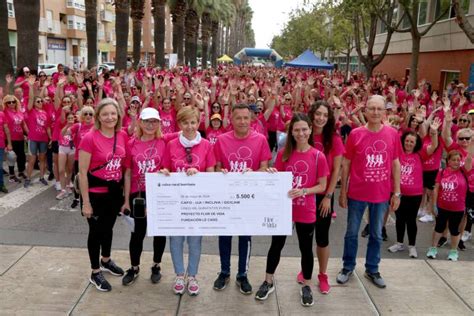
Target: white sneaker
(57,186)
(427,218)
(396,247)
(412,252)
(466,236)
(61,195)
(421,212)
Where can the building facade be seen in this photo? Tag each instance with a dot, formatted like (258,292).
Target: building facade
(62,32)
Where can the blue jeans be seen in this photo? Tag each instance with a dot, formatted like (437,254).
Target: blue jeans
(194,254)
(225,248)
(2,153)
(355,211)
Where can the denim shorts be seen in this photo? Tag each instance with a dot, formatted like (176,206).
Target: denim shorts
(35,147)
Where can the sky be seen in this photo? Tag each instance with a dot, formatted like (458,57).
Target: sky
(269,17)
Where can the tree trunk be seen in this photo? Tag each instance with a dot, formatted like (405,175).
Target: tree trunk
(91,32)
(227,40)
(137,38)
(348,61)
(27,22)
(191,31)
(179,14)
(206,25)
(462,21)
(6,66)
(159,16)
(122,11)
(415,54)
(215,42)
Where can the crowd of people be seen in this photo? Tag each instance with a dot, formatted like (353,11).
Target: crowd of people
(98,133)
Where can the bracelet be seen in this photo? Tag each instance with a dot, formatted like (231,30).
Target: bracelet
(304,192)
(328,195)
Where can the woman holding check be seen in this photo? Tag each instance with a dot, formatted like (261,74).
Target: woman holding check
(310,171)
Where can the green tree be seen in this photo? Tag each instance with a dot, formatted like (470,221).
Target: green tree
(27,13)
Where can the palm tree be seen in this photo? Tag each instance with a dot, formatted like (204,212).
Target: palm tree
(122,11)
(158,12)
(6,66)
(91,32)
(223,12)
(137,8)
(178,14)
(27,22)
(191,29)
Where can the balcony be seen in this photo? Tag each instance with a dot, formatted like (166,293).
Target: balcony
(73,33)
(49,26)
(106,16)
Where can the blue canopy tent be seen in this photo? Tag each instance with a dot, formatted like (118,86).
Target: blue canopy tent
(308,60)
(266,53)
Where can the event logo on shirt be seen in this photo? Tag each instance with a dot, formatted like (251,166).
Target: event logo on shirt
(375,162)
(300,178)
(241,160)
(182,165)
(114,165)
(448,188)
(406,171)
(40,122)
(147,161)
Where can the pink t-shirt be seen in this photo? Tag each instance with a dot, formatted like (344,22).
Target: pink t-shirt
(306,167)
(371,155)
(65,140)
(212,134)
(38,121)
(202,156)
(336,150)
(259,126)
(15,124)
(237,154)
(432,162)
(274,120)
(452,190)
(78,130)
(101,150)
(168,122)
(143,157)
(2,132)
(411,174)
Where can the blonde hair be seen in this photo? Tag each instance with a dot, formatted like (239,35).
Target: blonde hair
(9,97)
(467,131)
(86,109)
(139,131)
(100,106)
(186,113)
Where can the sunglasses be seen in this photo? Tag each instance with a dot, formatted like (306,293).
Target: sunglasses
(216,107)
(186,98)
(463,120)
(39,101)
(287,99)
(464,138)
(189,158)
(42,75)
(88,114)
(135,102)
(10,102)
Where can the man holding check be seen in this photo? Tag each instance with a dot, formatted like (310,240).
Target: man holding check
(240,150)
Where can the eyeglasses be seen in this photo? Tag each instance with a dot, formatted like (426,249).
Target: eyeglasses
(135,102)
(42,75)
(186,98)
(151,122)
(189,157)
(463,120)
(375,109)
(464,138)
(216,107)
(88,114)
(39,101)
(10,102)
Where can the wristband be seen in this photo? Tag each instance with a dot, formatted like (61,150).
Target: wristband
(304,192)
(328,195)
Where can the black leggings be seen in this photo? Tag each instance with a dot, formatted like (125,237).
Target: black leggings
(452,219)
(272,140)
(137,237)
(406,217)
(101,224)
(305,234)
(322,223)
(19,150)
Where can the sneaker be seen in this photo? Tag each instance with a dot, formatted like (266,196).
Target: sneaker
(466,236)
(193,286)
(376,279)
(343,276)
(412,253)
(61,195)
(300,278)
(111,267)
(396,247)
(264,290)
(453,255)
(432,252)
(324,286)
(384,234)
(14,179)
(43,181)
(365,231)
(22,175)
(57,186)
(74,203)
(27,183)
(442,241)
(421,212)
(179,285)
(461,245)
(3,189)
(155,274)
(130,276)
(427,218)
(100,282)
(221,282)
(244,284)
(306,296)
(51,177)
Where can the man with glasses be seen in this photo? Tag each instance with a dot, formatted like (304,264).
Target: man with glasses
(240,150)
(372,163)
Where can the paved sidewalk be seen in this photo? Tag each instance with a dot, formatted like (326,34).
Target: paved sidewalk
(53,281)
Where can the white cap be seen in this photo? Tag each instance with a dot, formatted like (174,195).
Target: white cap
(136,98)
(149,113)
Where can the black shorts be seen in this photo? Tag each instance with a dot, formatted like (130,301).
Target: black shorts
(55,147)
(429,178)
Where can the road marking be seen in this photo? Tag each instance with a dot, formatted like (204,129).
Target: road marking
(20,196)
(65,206)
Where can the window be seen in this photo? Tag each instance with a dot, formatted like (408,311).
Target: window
(442,5)
(11,10)
(449,76)
(422,12)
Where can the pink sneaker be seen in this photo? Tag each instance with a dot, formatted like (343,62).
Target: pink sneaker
(179,285)
(300,278)
(193,286)
(324,286)
(334,215)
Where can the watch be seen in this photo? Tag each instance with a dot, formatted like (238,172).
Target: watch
(328,195)
(304,192)
(398,195)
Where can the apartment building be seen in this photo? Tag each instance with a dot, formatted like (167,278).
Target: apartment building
(62,37)
(445,52)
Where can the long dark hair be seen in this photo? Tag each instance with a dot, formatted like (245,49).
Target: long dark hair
(329,129)
(418,143)
(290,141)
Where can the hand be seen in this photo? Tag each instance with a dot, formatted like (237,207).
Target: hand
(394,203)
(343,199)
(31,80)
(271,170)
(9,147)
(87,210)
(224,171)
(9,78)
(125,206)
(295,193)
(191,171)
(447,104)
(435,124)
(247,170)
(165,172)
(325,206)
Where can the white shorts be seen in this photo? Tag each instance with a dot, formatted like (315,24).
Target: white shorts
(66,150)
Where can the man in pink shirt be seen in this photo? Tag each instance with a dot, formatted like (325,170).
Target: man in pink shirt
(372,163)
(240,150)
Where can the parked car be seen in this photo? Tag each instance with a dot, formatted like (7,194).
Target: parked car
(48,69)
(109,66)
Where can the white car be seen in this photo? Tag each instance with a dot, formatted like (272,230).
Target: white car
(48,69)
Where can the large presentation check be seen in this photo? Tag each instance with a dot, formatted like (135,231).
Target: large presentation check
(209,204)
